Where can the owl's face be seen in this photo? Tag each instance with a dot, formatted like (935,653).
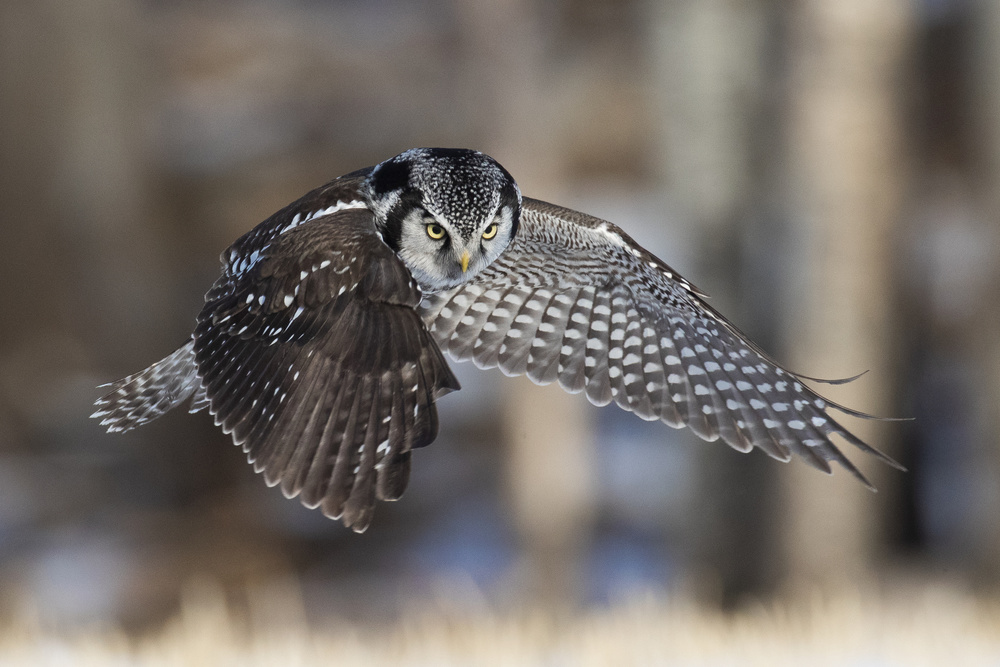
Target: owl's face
(448,213)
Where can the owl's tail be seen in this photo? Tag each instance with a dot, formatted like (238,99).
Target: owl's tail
(144,396)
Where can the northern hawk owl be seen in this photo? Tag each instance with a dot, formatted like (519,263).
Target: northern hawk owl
(320,347)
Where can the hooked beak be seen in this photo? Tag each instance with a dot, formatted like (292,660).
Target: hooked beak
(465,261)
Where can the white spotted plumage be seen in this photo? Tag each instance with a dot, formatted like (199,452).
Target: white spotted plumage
(319,347)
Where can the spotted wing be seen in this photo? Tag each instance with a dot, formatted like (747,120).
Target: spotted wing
(144,396)
(574,300)
(313,357)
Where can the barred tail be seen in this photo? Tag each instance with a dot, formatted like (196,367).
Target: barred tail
(144,396)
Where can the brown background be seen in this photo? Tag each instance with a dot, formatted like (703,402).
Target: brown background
(829,171)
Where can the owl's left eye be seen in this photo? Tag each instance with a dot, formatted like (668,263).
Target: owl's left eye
(490,231)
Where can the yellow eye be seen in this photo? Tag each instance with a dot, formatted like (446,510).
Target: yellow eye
(435,231)
(491,231)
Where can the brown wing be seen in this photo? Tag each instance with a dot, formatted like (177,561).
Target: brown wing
(313,356)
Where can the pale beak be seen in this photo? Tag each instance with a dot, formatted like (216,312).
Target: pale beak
(465,261)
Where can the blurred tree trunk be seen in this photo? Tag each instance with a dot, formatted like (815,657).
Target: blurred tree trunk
(985,542)
(73,187)
(82,270)
(549,446)
(847,172)
(709,59)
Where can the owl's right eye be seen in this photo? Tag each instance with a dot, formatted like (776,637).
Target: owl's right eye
(435,231)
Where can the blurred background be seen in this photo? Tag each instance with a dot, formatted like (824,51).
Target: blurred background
(828,171)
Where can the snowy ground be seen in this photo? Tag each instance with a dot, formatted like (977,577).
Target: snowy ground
(932,626)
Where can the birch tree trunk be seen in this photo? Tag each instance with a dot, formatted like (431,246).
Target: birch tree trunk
(548,435)
(847,170)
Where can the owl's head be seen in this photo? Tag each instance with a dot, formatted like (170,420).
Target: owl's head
(447,212)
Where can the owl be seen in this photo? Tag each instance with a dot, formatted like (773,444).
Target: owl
(321,347)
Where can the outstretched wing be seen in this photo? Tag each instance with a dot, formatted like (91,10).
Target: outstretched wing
(312,355)
(573,299)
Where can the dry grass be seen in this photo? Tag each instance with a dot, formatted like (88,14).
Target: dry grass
(929,627)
